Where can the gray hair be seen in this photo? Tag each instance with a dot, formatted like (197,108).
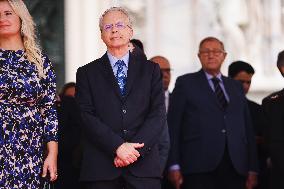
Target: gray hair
(120,9)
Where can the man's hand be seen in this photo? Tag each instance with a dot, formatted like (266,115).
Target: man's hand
(127,153)
(251,181)
(176,178)
(118,162)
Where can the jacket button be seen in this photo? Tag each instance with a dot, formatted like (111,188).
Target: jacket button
(125,131)
(223,131)
(124,111)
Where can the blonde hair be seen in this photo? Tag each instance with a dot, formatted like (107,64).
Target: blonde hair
(33,50)
(120,9)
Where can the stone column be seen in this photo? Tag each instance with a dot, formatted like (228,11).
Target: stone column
(82,35)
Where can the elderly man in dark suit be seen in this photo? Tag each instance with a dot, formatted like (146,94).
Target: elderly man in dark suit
(122,104)
(212,140)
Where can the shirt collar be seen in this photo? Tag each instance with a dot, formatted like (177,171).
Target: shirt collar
(209,76)
(113,59)
(167,93)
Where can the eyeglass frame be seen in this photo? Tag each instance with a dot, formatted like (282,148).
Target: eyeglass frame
(118,25)
(214,52)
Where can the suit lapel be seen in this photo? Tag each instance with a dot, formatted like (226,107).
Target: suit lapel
(229,90)
(132,73)
(108,73)
(208,90)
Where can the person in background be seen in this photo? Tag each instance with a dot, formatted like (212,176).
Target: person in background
(273,109)
(212,139)
(28,119)
(70,150)
(166,73)
(68,89)
(121,100)
(137,43)
(136,51)
(243,72)
(164,145)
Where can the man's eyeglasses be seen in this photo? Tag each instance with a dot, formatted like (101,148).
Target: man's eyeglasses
(118,25)
(214,52)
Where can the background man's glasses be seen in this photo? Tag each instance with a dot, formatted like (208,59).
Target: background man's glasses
(214,52)
(118,25)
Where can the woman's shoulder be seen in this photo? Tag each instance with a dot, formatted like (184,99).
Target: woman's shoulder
(45,57)
(46,61)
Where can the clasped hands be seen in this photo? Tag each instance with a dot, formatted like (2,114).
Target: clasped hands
(127,154)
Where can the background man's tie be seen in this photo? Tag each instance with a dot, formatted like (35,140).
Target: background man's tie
(121,76)
(219,93)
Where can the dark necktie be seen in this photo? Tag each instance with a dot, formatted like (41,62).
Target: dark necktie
(121,76)
(219,93)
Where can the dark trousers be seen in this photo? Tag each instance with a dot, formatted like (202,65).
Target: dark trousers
(165,182)
(223,177)
(126,181)
(277,178)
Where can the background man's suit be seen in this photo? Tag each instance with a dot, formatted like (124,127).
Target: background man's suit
(164,142)
(199,128)
(70,148)
(273,107)
(110,119)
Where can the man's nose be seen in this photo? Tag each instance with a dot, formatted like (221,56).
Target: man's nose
(210,54)
(114,29)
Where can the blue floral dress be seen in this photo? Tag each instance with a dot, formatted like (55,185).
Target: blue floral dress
(28,119)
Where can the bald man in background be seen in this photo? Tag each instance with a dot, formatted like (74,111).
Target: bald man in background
(166,73)
(164,144)
(137,49)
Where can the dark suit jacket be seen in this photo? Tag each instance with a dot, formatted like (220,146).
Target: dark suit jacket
(259,123)
(257,117)
(110,119)
(70,149)
(273,107)
(199,128)
(164,142)
(164,146)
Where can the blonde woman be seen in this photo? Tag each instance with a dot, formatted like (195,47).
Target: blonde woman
(28,120)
